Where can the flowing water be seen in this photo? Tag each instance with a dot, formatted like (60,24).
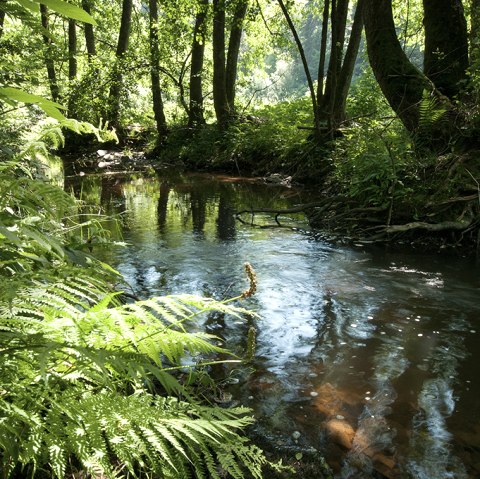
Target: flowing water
(368,356)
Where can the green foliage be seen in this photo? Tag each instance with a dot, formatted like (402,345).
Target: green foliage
(90,384)
(267,140)
(374,162)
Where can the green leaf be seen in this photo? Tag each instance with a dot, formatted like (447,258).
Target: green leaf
(52,112)
(28,4)
(70,11)
(20,95)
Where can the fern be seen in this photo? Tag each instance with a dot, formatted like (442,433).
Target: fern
(88,383)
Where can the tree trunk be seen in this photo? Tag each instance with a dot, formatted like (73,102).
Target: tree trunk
(233,52)
(160,121)
(72,50)
(117,77)
(323,53)
(220,102)
(401,83)
(339,22)
(316,119)
(72,65)
(52,76)
(446,46)
(2,18)
(195,113)
(88,28)
(475,33)
(346,73)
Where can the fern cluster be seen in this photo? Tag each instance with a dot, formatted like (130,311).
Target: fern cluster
(89,384)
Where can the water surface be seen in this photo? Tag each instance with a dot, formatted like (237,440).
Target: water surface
(372,357)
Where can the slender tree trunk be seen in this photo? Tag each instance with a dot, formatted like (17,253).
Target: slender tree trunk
(400,81)
(158,111)
(72,65)
(52,76)
(316,119)
(446,46)
(88,28)
(323,53)
(339,22)
(2,18)
(72,49)
(346,73)
(220,102)
(117,77)
(195,114)
(233,52)
(475,32)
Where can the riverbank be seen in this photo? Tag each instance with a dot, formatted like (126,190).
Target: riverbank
(430,204)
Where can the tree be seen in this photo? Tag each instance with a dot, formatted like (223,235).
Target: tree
(403,85)
(446,49)
(160,121)
(117,76)
(195,111)
(220,101)
(88,29)
(233,51)
(49,64)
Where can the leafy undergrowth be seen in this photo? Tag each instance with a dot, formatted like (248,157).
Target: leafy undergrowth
(267,141)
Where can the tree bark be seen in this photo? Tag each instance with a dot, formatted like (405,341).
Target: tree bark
(220,102)
(117,77)
(401,83)
(88,29)
(339,22)
(346,72)
(72,65)
(2,18)
(158,111)
(72,49)
(195,113)
(233,52)
(52,76)
(446,46)
(323,53)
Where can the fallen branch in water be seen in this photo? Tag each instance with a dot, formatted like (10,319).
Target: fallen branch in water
(295,209)
(443,226)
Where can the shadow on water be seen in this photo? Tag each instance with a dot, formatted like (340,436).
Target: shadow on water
(368,356)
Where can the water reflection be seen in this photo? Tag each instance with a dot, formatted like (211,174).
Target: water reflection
(371,356)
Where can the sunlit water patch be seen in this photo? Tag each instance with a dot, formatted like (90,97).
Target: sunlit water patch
(370,357)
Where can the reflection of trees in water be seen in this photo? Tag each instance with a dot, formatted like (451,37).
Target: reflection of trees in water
(198,205)
(403,378)
(226,223)
(163,205)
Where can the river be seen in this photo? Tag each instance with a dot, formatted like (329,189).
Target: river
(369,356)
